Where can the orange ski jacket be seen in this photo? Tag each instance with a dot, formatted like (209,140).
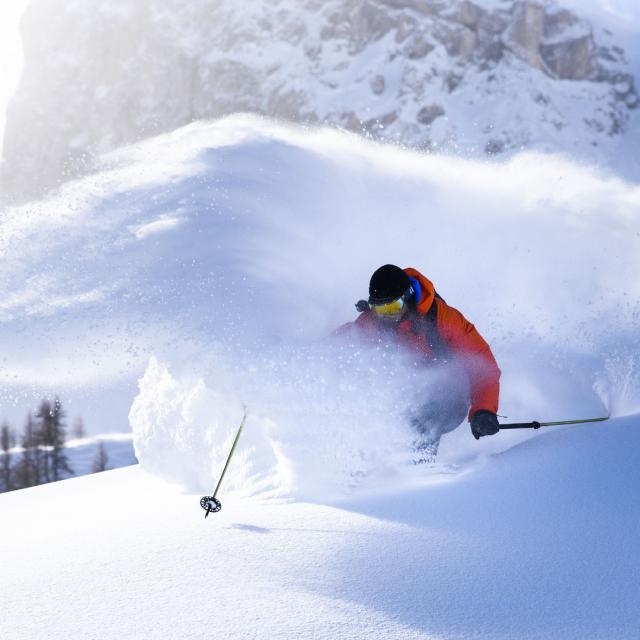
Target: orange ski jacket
(439,331)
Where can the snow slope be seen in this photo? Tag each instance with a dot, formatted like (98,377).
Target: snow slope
(542,541)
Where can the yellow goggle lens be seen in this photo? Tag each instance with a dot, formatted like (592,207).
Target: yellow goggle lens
(390,309)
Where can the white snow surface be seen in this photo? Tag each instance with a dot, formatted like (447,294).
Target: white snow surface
(205,270)
(542,541)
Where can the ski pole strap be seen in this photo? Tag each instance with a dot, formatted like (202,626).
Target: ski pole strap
(536,425)
(233,448)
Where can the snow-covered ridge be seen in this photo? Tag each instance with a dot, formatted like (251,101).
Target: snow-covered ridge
(82,453)
(473,77)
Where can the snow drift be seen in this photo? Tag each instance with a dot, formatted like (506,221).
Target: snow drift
(220,257)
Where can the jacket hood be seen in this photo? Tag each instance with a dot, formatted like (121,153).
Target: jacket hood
(428,290)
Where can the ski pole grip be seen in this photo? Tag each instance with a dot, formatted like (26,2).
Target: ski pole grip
(521,425)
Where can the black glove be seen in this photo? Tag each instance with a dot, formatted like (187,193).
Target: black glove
(484,423)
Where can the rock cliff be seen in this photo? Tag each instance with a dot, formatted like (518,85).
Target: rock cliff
(483,77)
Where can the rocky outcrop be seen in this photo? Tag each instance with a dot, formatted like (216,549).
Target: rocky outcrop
(525,31)
(428,114)
(556,42)
(455,75)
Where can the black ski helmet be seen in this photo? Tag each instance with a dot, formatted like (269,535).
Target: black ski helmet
(388,283)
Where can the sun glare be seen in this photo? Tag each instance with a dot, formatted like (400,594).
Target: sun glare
(10,52)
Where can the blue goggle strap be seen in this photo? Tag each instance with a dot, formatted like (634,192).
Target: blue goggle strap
(417,289)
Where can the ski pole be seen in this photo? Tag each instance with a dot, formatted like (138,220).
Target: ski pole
(536,425)
(210,503)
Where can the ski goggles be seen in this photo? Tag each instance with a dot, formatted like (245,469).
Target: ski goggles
(391,309)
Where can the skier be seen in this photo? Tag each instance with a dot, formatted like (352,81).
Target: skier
(403,306)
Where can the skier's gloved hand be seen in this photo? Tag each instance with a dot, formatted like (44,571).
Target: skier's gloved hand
(484,423)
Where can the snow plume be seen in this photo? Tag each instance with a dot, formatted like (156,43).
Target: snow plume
(322,419)
(230,250)
(539,252)
(619,384)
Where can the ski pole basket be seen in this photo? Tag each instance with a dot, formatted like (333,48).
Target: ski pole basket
(210,504)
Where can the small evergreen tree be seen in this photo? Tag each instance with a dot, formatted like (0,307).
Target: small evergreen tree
(6,472)
(44,439)
(59,463)
(78,429)
(29,469)
(101,459)
(52,436)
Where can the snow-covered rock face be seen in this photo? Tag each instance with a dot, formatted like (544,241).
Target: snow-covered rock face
(477,77)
